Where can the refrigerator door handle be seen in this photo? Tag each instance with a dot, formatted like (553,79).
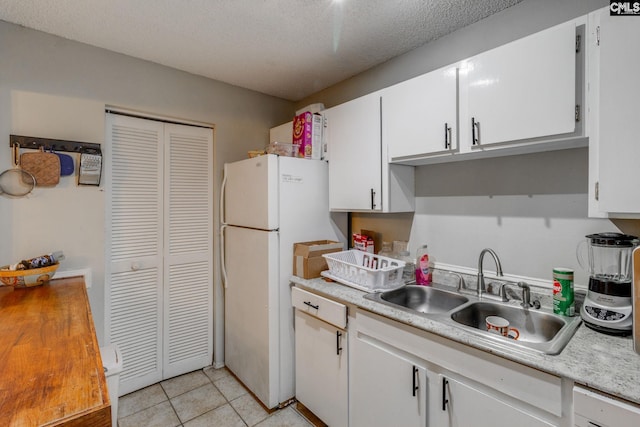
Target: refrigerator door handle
(222,191)
(222,266)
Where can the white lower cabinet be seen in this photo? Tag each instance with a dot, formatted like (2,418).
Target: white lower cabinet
(321,357)
(404,376)
(387,387)
(597,410)
(464,405)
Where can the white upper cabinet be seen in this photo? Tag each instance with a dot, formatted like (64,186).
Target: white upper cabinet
(520,91)
(360,177)
(419,116)
(614,148)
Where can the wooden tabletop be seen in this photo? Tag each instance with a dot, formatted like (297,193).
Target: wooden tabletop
(51,372)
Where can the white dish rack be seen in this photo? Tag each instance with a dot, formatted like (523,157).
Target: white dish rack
(364,271)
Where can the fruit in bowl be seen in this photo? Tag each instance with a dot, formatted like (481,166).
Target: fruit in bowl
(27,278)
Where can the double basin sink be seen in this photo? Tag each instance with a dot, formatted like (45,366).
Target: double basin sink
(539,331)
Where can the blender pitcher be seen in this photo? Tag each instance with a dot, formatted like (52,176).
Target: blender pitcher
(609,256)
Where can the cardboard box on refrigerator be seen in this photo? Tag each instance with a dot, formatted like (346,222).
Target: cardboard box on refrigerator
(308,261)
(307,134)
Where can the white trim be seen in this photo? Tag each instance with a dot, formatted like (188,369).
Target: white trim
(157,117)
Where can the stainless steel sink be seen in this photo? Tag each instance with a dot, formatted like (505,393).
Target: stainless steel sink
(539,330)
(423,299)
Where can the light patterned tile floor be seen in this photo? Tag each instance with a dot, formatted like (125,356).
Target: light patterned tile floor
(208,397)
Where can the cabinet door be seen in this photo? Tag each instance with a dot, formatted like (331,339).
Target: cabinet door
(386,389)
(419,116)
(522,90)
(353,138)
(321,369)
(616,139)
(462,405)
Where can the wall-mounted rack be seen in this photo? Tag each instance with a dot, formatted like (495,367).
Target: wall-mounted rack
(33,142)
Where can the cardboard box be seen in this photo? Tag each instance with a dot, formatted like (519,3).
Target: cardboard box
(308,261)
(363,243)
(307,134)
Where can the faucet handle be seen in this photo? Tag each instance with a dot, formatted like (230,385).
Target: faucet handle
(462,285)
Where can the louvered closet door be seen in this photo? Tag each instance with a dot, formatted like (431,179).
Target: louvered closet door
(134,249)
(188,249)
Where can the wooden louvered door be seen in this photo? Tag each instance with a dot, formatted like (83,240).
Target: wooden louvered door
(159,248)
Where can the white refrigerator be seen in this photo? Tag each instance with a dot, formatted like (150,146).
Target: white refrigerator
(268,204)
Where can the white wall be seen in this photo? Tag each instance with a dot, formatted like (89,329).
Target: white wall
(56,88)
(531,209)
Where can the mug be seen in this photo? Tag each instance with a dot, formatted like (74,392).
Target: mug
(500,325)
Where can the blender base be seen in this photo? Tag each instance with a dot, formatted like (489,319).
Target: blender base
(608,331)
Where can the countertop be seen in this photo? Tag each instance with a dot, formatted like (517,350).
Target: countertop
(599,361)
(50,367)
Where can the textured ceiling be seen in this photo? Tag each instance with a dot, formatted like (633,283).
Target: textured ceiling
(286,48)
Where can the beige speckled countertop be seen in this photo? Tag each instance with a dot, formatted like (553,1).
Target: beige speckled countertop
(602,362)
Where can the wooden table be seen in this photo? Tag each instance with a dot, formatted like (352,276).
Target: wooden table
(50,367)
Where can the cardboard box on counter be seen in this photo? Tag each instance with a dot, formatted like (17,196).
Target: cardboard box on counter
(308,261)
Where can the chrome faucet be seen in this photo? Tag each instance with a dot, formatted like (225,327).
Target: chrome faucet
(481,289)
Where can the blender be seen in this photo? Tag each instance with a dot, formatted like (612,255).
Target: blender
(607,307)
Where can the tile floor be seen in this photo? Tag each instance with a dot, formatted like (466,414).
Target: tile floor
(208,397)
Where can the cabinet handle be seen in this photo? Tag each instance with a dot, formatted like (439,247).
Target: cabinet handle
(373,196)
(444,393)
(447,136)
(338,348)
(415,381)
(475,136)
(311,305)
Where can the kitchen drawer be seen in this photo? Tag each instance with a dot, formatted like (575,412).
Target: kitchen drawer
(594,409)
(320,307)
